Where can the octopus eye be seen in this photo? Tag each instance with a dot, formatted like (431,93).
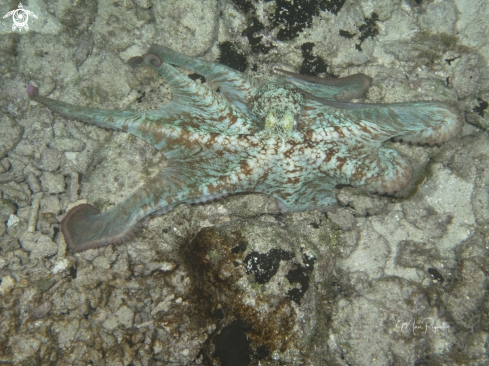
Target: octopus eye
(271,120)
(288,122)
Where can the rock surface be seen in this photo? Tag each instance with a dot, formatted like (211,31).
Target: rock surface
(396,280)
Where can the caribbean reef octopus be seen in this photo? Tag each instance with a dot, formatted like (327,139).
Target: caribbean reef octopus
(296,138)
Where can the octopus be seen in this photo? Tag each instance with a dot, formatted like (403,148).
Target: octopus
(296,138)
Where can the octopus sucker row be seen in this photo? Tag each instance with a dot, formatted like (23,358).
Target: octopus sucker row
(380,193)
(413,143)
(208,198)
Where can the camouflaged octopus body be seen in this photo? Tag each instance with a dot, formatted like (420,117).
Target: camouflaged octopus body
(294,138)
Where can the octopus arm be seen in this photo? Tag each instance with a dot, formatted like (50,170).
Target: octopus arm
(201,106)
(231,83)
(340,89)
(416,122)
(190,176)
(380,169)
(316,194)
(193,108)
(85,227)
(159,132)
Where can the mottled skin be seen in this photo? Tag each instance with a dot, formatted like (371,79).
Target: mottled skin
(295,139)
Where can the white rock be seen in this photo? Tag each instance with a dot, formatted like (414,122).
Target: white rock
(60,266)
(6,285)
(125,316)
(12,221)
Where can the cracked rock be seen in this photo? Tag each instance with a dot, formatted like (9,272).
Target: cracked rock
(10,135)
(52,183)
(51,160)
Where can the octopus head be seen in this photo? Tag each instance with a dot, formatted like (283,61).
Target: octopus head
(279,104)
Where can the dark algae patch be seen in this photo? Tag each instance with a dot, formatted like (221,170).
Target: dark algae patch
(300,274)
(241,247)
(231,57)
(72,271)
(232,344)
(481,108)
(255,33)
(293,16)
(195,76)
(265,265)
(369,28)
(436,275)
(261,352)
(346,34)
(245,6)
(312,64)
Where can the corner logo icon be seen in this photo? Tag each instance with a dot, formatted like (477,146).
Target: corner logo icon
(20,17)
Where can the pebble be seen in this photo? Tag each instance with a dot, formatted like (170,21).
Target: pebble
(67,144)
(33,183)
(52,183)
(6,285)
(24,346)
(12,221)
(31,226)
(42,310)
(14,192)
(125,316)
(50,160)
(39,245)
(74,186)
(50,204)
(60,266)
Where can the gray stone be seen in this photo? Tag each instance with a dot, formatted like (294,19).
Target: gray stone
(10,135)
(45,247)
(101,263)
(343,218)
(6,207)
(67,144)
(33,183)
(200,20)
(14,192)
(24,346)
(12,221)
(42,310)
(360,202)
(440,17)
(38,244)
(72,299)
(3,224)
(9,243)
(111,322)
(52,183)
(7,283)
(125,316)
(50,204)
(50,160)
(66,331)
